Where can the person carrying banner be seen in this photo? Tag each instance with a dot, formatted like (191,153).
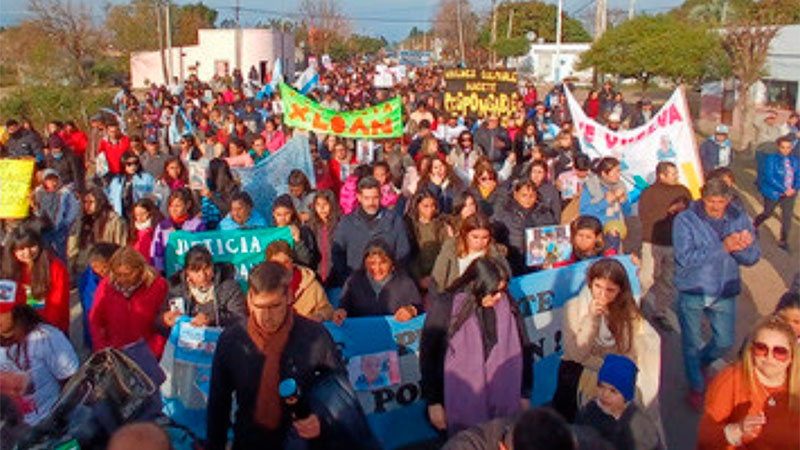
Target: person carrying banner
(711,239)
(778,182)
(205,291)
(369,221)
(659,203)
(716,151)
(180,207)
(475,358)
(379,288)
(251,361)
(308,297)
(604,319)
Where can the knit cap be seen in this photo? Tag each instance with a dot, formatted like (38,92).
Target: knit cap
(620,372)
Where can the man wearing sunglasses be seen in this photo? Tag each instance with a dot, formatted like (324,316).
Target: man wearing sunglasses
(711,239)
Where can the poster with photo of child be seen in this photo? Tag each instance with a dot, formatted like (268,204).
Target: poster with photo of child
(547,245)
(374,371)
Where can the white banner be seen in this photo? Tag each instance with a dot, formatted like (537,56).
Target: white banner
(668,136)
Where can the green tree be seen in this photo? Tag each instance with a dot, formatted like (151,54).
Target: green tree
(538,17)
(133,25)
(662,45)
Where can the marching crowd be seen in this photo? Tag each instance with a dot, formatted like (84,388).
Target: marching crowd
(434,222)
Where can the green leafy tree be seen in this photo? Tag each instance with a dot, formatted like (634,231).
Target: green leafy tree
(133,25)
(661,45)
(516,46)
(538,17)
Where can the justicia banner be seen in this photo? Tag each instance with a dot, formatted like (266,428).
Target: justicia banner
(667,136)
(381,121)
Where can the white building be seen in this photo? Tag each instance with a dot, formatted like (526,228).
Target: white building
(542,62)
(216,54)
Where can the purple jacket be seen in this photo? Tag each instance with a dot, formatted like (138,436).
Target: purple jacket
(161,237)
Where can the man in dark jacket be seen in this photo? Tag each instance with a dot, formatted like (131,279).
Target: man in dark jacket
(716,151)
(658,206)
(250,362)
(204,291)
(711,239)
(494,141)
(643,113)
(367,222)
(510,222)
(22,142)
(62,160)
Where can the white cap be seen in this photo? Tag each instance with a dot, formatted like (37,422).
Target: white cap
(614,117)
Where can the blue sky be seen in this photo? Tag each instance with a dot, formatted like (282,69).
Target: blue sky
(390,18)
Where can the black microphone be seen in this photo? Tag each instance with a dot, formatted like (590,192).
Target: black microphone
(292,397)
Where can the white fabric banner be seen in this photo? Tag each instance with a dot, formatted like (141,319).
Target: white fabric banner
(667,136)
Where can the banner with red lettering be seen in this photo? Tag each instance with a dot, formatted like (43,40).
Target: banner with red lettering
(667,136)
(375,122)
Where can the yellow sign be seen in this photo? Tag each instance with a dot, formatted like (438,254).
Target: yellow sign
(15,186)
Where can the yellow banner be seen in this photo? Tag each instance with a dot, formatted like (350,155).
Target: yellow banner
(15,187)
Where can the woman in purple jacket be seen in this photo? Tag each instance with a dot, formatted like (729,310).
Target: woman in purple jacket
(180,207)
(475,358)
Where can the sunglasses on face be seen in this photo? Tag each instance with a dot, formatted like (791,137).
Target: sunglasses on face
(779,352)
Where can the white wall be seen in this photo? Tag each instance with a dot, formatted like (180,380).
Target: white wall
(216,45)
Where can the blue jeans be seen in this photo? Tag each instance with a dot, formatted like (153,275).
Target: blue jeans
(697,355)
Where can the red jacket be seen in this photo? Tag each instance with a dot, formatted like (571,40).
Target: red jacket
(114,152)
(144,240)
(115,321)
(56,305)
(77,141)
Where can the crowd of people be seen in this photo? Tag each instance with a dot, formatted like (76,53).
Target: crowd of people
(431,223)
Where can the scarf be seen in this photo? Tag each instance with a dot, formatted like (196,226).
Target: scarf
(179,221)
(126,292)
(202,295)
(141,226)
(268,412)
(482,385)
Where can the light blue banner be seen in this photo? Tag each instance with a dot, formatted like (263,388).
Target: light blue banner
(269,178)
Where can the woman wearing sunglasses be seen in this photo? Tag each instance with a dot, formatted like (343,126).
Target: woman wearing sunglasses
(755,402)
(129,186)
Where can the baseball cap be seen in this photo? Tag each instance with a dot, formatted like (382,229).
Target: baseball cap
(721,129)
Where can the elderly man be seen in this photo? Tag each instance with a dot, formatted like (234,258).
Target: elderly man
(711,239)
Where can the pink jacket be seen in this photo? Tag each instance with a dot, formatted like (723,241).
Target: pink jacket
(277,141)
(347,195)
(389,196)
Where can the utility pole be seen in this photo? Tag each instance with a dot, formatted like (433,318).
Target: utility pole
(557,75)
(631,9)
(510,23)
(168,24)
(600,19)
(237,37)
(460,32)
(161,44)
(494,31)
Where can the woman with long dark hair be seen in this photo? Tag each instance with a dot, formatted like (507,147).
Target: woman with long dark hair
(215,199)
(180,206)
(98,223)
(427,231)
(475,359)
(325,217)
(42,279)
(144,220)
(441,180)
(603,319)
(36,359)
(130,185)
(284,215)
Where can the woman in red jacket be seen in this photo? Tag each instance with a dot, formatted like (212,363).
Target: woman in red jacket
(143,226)
(755,403)
(127,303)
(42,279)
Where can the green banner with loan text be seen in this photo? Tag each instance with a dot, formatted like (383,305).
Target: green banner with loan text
(381,121)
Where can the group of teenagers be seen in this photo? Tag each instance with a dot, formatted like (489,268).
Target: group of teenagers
(433,223)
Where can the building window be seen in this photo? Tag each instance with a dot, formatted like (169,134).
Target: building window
(781,94)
